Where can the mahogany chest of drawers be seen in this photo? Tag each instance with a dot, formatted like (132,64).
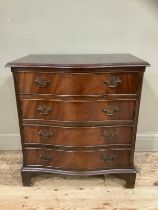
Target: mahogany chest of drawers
(78,113)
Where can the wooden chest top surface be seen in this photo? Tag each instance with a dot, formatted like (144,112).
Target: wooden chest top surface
(78,61)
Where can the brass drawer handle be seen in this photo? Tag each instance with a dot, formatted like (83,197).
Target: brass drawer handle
(45,158)
(44,133)
(113,82)
(110,134)
(42,82)
(108,158)
(111,110)
(44,109)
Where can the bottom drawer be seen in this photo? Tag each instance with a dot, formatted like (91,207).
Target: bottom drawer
(78,160)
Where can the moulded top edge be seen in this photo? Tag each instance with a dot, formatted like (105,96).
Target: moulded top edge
(78,61)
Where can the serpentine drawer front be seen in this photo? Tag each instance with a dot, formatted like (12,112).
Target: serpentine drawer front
(78,83)
(78,160)
(78,136)
(78,113)
(78,110)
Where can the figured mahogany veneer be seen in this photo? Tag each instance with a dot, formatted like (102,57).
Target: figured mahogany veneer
(78,110)
(78,114)
(77,83)
(78,136)
(78,160)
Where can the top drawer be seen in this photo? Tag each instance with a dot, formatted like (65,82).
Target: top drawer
(78,83)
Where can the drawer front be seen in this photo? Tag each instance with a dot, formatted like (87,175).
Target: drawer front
(79,83)
(78,160)
(78,110)
(78,136)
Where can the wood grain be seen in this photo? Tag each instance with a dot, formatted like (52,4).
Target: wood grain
(78,136)
(78,160)
(78,110)
(78,84)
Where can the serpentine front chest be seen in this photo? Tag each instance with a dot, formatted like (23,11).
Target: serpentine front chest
(78,113)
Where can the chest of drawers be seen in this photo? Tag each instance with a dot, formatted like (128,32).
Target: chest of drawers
(78,114)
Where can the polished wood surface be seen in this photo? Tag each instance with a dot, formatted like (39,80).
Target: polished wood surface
(78,160)
(78,60)
(78,114)
(78,110)
(78,84)
(78,136)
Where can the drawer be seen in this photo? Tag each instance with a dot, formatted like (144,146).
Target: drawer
(75,110)
(78,83)
(78,160)
(78,136)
